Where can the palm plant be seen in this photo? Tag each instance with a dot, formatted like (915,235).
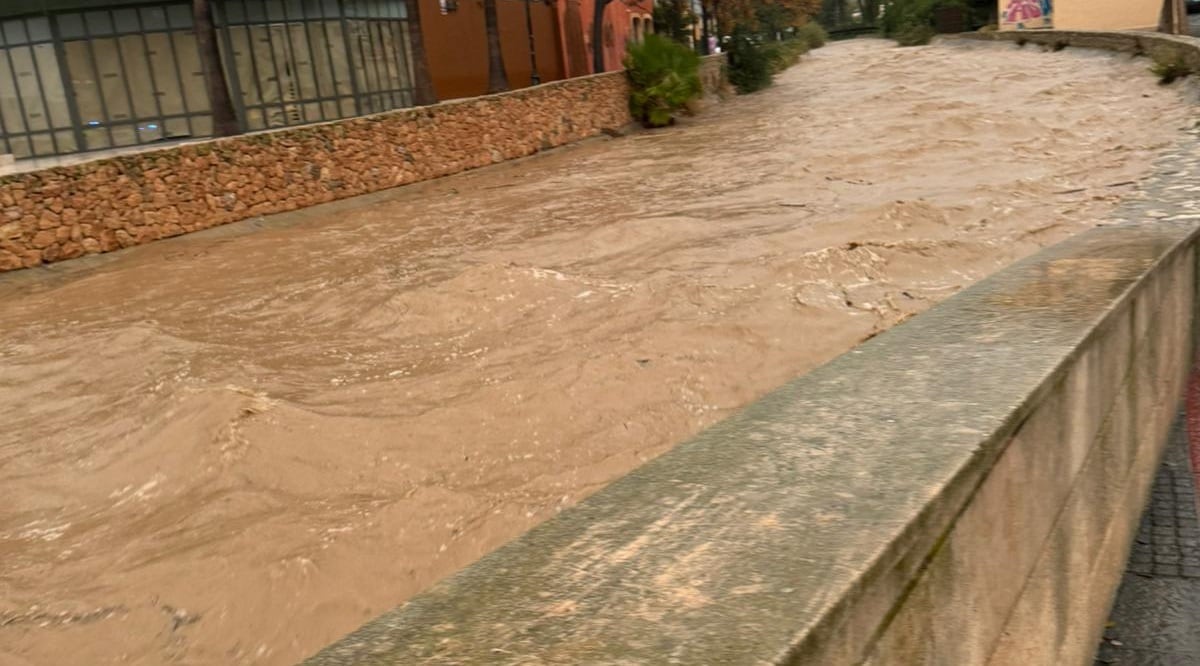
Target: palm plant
(663,77)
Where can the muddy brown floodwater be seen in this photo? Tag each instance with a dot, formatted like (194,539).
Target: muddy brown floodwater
(235,447)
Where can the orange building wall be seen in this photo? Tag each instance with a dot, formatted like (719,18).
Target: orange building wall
(618,22)
(1081,14)
(1107,14)
(456,45)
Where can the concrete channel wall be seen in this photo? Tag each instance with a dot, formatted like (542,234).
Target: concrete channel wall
(962,489)
(1159,46)
(107,204)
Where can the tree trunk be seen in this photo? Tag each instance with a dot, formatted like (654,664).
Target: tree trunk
(577,55)
(497,79)
(423,93)
(223,116)
(870,12)
(598,36)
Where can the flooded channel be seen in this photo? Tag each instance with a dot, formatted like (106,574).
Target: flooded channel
(234,447)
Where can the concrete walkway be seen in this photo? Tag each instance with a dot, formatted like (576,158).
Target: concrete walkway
(1156,617)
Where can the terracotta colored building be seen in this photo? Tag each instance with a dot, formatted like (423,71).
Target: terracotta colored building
(456,44)
(624,21)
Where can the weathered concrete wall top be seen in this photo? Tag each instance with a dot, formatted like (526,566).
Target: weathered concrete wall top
(798,530)
(1153,44)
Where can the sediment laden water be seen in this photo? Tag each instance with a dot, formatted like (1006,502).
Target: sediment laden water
(235,447)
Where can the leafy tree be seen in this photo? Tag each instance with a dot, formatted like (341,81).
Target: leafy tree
(841,12)
(773,18)
(735,13)
(673,19)
(913,16)
(869,10)
(748,63)
(765,15)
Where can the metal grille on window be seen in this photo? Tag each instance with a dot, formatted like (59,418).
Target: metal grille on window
(303,61)
(131,75)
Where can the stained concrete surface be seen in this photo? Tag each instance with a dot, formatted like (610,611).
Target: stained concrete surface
(1156,617)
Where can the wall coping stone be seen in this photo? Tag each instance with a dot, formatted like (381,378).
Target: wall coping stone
(1136,42)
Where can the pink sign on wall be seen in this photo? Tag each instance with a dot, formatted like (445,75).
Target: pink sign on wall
(1026,14)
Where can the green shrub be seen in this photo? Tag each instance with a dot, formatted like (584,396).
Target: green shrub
(908,16)
(777,58)
(794,48)
(1169,69)
(914,34)
(812,34)
(781,55)
(663,77)
(748,64)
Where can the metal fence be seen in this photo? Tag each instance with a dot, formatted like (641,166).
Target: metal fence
(92,79)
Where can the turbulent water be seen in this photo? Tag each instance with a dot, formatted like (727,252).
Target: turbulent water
(234,447)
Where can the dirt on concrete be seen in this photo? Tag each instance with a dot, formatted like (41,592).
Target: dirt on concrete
(233,448)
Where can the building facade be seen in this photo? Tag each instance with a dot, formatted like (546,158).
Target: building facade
(456,47)
(625,21)
(1080,14)
(86,75)
(89,75)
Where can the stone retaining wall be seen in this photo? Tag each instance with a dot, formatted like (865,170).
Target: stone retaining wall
(712,76)
(107,204)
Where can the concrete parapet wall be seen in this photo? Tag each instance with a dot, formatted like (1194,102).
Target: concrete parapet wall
(961,489)
(712,76)
(1027,573)
(1156,45)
